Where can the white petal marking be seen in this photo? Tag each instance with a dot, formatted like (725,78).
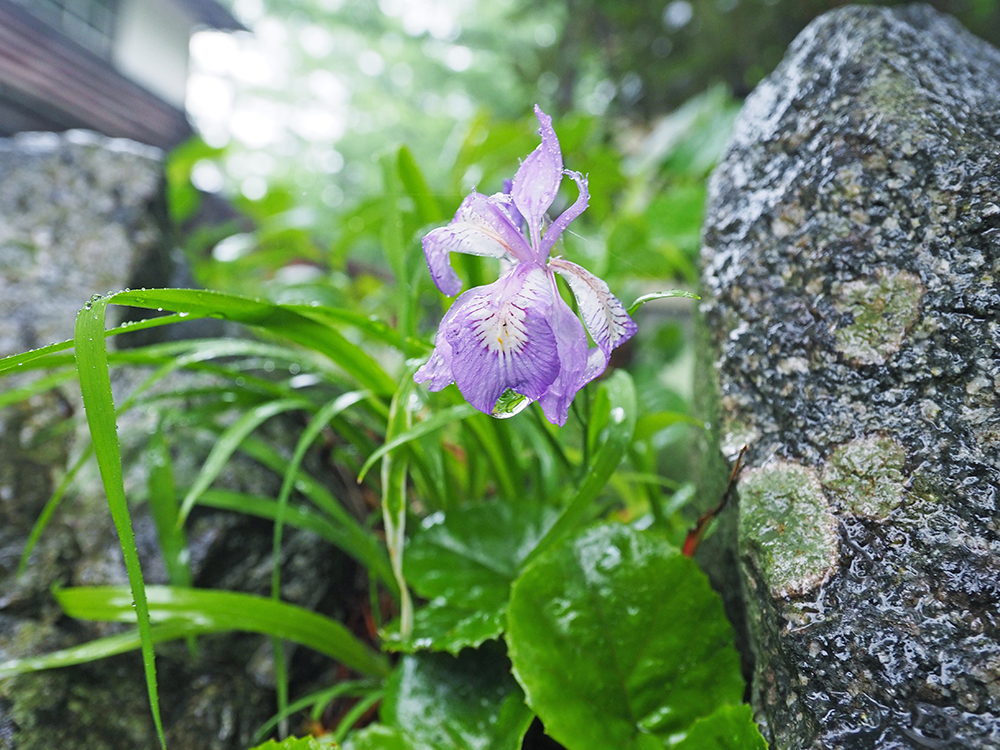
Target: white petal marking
(605,317)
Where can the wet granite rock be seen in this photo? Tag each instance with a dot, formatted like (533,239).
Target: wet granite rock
(81,214)
(78,213)
(851,272)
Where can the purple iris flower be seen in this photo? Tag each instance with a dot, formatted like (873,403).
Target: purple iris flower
(517,334)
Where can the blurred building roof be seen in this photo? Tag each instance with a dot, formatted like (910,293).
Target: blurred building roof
(115,66)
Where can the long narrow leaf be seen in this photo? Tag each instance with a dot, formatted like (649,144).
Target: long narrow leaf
(394,469)
(435,422)
(365,549)
(217,611)
(621,425)
(428,209)
(163,507)
(47,356)
(318,701)
(353,538)
(95,386)
(101,648)
(276,319)
(229,442)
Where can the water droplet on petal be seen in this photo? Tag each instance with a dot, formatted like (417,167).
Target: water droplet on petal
(510,403)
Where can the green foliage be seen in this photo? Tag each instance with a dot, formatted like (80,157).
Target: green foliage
(471,701)
(727,728)
(618,641)
(294,743)
(479,529)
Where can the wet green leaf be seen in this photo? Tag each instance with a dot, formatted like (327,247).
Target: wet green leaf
(618,641)
(378,737)
(728,728)
(294,743)
(214,611)
(469,702)
(464,563)
(98,401)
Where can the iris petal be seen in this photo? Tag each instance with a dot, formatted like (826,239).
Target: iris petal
(501,337)
(480,227)
(537,180)
(607,321)
(556,229)
(571,341)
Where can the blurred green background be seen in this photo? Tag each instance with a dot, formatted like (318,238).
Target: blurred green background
(317,124)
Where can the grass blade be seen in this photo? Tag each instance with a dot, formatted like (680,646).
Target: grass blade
(217,611)
(164,508)
(228,443)
(394,469)
(435,422)
(95,386)
(279,320)
(621,425)
(365,549)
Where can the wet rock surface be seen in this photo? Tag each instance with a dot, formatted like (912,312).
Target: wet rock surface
(852,287)
(80,214)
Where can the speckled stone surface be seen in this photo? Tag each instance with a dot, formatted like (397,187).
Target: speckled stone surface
(80,214)
(76,219)
(851,272)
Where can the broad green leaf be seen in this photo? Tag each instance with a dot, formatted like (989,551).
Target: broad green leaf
(439,626)
(99,404)
(379,737)
(728,728)
(619,642)
(217,611)
(295,743)
(621,425)
(464,562)
(469,702)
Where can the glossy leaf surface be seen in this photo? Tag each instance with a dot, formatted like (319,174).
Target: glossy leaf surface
(469,702)
(619,642)
(728,728)
(464,562)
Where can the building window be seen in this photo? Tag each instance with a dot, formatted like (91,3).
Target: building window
(89,22)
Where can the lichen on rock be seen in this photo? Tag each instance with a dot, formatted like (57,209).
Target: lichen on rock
(866,476)
(882,311)
(787,528)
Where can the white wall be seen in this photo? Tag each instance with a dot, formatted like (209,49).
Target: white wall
(151,47)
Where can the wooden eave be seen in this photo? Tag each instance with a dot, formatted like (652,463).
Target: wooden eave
(50,79)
